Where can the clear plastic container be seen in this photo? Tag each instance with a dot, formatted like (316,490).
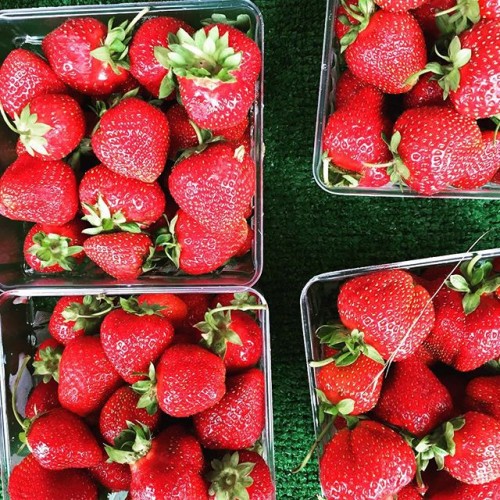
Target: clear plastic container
(21,327)
(328,77)
(26,28)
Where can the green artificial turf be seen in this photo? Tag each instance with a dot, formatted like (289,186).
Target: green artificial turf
(308,231)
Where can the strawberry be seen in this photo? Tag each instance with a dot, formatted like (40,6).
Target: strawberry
(121,255)
(395,43)
(238,419)
(426,17)
(75,316)
(343,19)
(120,408)
(42,398)
(133,337)
(235,299)
(143,63)
(214,187)
(455,490)
(38,191)
(483,395)
(393,312)
(216,70)
(111,200)
(60,440)
(24,76)
(132,140)
(347,88)
(242,474)
(197,304)
(111,475)
(399,5)
(483,166)
(52,249)
(426,92)
(432,146)
(47,358)
(170,306)
(86,377)
(29,476)
(409,492)
(413,399)
(88,55)
(370,461)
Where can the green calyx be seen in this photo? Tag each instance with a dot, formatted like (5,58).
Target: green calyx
(89,313)
(343,409)
(114,50)
(48,366)
(102,219)
(131,445)
(397,170)
(53,249)
(132,306)
(167,241)
(229,478)
(349,346)
(147,390)
(361,13)
(459,17)
(476,279)
(243,22)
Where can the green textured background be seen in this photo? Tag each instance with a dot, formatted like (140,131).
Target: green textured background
(308,232)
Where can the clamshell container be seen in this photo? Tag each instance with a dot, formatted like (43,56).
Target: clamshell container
(26,28)
(23,325)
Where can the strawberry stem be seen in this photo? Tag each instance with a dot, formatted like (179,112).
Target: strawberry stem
(309,454)
(241,307)
(20,421)
(7,121)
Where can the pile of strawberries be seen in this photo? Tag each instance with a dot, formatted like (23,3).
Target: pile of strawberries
(418,100)
(408,379)
(158,395)
(102,138)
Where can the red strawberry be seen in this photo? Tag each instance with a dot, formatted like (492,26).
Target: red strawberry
(113,476)
(46,360)
(343,19)
(70,317)
(426,18)
(86,377)
(111,200)
(489,9)
(120,408)
(217,87)
(413,399)
(42,398)
(214,187)
(455,490)
(132,140)
(197,304)
(432,146)
(60,440)
(426,92)
(238,419)
(143,63)
(370,461)
(240,474)
(409,492)
(52,249)
(483,395)
(393,312)
(347,88)
(396,47)
(173,307)
(23,76)
(121,255)
(29,476)
(399,5)
(133,337)
(247,245)
(88,55)
(38,191)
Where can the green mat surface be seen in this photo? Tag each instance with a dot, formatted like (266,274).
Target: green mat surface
(308,232)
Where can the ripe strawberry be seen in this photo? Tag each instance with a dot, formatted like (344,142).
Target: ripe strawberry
(399,5)
(143,63)
(53,249)
(86,377)
(214,187)
(133,337)
(60,440)
(393,312)
(171,306)
(432,146)
(75,316)
(29,476)
(111,475)
(46,360)
(396,46)
(24,76)
(88,55)
(42,398)
(197,304)
(455,490)
(243,474)
(413,399)
(120,408)
(426,18)
(426,92)
(216,84)
(121,255)
(132,140)
(347,88)
(483,395)
(111,200)
(38,191)
(409,492)
(238,419)
(370,461)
